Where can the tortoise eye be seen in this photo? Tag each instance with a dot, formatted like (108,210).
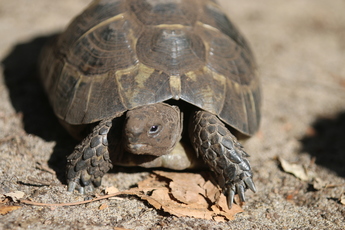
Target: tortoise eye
(154,129)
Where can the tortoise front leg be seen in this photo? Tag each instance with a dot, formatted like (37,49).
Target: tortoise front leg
(90,160)
(224,155)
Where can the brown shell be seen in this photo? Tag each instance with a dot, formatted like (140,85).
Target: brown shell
(118,55)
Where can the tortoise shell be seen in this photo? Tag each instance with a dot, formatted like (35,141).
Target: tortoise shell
(121,54)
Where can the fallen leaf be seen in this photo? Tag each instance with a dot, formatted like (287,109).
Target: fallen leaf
(4,209)
(111,190)
(185,187)
(218,219)
(186,194)
(295,169)
(302,173)
(103,206)
(319,184)
(212,192)
(179,176)
(15,196)
(222,208)
(151,183)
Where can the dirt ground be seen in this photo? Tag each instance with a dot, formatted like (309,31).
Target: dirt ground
(300,50)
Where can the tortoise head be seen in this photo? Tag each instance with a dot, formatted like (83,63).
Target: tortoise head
(152,129)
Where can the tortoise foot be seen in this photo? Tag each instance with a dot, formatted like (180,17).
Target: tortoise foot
(223,154)
(90,160)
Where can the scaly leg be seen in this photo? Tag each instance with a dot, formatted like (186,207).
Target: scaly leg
(224,155)
(90,160)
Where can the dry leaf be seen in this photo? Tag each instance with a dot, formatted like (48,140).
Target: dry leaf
(223,210)
(151,183)
(111,190)
(212,192)
(295,169)
(319,184)
(185,187)
(179,176)
(15,196)
(186,194)
(103,206)
(4,209)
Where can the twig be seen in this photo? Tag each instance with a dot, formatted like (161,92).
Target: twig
(127,192)
(42,167)
(334,185)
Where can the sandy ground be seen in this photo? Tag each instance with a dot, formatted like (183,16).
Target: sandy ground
(300,50)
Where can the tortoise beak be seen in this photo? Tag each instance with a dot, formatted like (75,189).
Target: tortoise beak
(137,148)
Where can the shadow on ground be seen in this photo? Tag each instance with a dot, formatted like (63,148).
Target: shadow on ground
(29,100)
(326,142)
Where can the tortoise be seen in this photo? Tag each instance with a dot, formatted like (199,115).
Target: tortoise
(155,83)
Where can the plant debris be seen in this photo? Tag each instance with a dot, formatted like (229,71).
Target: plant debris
(111,190)
(15,196)
(103,206)
(180,194)
(186,194)
(302,172)
(4,209)
(297,170)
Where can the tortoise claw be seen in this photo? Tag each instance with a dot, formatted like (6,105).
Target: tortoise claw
(71,186)
(230,198)
(250,184)
(81,190)
(240,191)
